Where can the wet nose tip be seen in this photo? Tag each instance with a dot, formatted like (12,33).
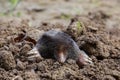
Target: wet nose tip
(61,58)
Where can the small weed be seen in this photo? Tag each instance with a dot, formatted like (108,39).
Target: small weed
(65,16)
(79,26)
(18,14)
(96,2)
(2,14)
(13,3)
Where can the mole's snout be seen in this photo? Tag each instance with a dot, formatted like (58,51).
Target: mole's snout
(61,57)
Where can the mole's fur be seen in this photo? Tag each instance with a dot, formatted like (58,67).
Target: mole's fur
(60,46)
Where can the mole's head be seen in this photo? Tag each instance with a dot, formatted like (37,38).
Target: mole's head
(61,54)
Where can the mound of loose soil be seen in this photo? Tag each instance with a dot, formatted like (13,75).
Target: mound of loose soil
(100,43)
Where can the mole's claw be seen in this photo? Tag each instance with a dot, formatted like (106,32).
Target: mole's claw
(33,53)
(84,59)
(88,60)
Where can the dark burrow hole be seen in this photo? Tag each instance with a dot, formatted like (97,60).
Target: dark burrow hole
(99,57)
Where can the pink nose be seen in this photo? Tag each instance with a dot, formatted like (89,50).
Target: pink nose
(61,58)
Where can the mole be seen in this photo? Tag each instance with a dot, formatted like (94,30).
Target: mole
(60,46)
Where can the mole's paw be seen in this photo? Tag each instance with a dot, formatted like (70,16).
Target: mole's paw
(88,60)
(84,59)
(33,54)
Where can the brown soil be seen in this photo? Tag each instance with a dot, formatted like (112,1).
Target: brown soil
(98,35)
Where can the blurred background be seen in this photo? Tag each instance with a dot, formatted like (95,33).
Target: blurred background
(57,11)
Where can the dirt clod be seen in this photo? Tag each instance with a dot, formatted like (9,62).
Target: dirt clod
(7,60)
(30,75)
